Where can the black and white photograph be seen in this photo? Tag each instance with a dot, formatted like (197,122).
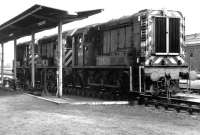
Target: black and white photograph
(99,67)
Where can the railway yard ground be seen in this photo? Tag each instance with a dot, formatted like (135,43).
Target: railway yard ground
(21,114)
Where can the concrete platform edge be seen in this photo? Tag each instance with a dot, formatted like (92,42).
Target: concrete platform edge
(82,102)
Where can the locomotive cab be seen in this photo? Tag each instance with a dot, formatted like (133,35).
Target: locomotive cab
(86,46)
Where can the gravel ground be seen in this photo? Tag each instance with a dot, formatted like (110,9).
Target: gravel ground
(24,115)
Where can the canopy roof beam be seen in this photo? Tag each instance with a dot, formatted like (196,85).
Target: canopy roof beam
(44,18)
(20,18)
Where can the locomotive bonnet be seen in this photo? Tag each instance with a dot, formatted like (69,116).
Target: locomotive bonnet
(161,43)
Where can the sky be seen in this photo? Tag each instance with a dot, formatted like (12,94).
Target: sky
(112,9)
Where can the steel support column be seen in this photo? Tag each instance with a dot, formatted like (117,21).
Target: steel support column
(73,50)
(2,63)
(15,60)
(60,64)
(140,79)
(33,60)
(131,78)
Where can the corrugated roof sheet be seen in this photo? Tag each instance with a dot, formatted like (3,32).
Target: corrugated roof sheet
(36,19)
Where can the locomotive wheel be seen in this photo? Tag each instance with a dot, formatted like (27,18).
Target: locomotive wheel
(117,96)
(92,94)
(78,92)
(82,92)
(99,94)
(68,90)
(178,110)
(156,105)
(87,93)
(73,90)
(140,101)
(112,96)
(190,111)
(105,95)
(146,101)
(166,107)
(64,90)
(95,94)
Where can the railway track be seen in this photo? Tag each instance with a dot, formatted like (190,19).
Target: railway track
(177,104)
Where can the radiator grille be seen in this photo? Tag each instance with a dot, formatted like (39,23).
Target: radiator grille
(174,35)
(160,34)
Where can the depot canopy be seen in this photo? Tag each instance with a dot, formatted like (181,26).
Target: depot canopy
(36,19)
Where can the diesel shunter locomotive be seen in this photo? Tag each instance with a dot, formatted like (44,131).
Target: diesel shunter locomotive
(140,53)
